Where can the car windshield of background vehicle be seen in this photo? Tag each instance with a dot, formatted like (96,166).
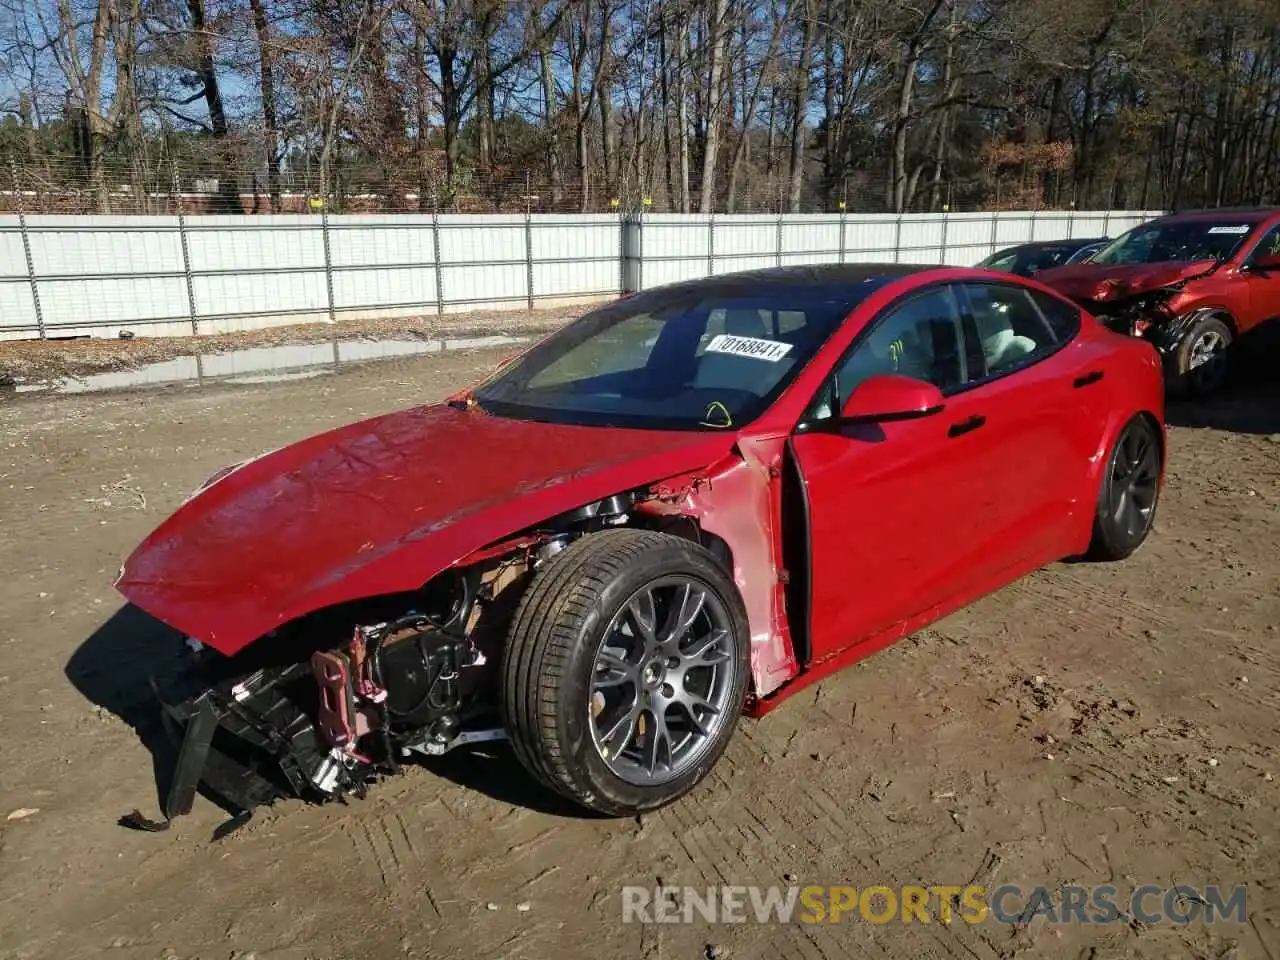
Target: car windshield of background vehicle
(691,359)
(1184,241)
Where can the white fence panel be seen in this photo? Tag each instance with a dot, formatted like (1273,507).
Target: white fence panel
(575,257)
(810,239)
(100,275)
(872,239)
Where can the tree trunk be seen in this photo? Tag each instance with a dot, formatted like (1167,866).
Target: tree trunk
(604,95)
(551,121)
(664,71)
(228,200)
(902,119)
(484,103)
(267,87)
(749,114)
(422,121)
(682,115)
(716,30)
(800,101)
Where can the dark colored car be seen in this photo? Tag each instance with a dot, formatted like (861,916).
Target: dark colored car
(1028,259)
(685,505)
(1191,283)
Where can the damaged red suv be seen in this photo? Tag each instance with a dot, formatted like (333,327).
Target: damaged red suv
(682,506)
(1191,283)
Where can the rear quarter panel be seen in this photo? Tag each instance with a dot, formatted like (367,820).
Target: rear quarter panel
(1135,385)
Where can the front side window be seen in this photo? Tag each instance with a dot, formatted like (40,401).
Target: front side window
(1268,246)
(920,338)
(1179,241)
(684,359)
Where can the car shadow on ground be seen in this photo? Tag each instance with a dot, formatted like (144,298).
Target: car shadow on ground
(1249,404)
(493,770)
(1250,400)
(114,667)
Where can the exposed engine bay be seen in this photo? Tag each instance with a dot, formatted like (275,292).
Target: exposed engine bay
(292,718)
(1142,309)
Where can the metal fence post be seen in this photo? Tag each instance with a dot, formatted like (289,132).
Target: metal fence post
(528,253)
(1106,224)
(435,248)
(995,230)
(843,222)
(1071,221)
(622,252)
(328,259)
(711,245)
(897,240)
(1033,226)
(186,255)
(946,219)
(26,250)
(779,239)
(640,252)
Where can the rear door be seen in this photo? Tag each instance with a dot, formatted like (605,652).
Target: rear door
(1045,396)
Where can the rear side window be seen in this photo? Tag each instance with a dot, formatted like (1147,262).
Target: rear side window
(1009,325)
(1063,317)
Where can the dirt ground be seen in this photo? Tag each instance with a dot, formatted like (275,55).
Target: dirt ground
(1089,724)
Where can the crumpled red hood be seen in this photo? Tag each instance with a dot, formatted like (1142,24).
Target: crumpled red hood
(1081,281)
(379,507)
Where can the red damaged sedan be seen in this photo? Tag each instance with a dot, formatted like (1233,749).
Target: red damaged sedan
(686,505)
(1193,284)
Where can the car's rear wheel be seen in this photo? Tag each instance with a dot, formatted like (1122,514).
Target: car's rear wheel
(625,670)
(1130,492)
(1200,364)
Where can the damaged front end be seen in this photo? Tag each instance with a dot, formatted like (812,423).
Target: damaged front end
(331,702)
(1147,316)
(321,727)
(1147,304)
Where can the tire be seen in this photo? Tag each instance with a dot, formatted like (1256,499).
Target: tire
(1188,381)
(561,687)
(1130,493)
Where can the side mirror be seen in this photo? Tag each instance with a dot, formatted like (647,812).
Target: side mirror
(1265,263)
(891,396)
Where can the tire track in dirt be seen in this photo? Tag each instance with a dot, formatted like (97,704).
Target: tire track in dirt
(816,823)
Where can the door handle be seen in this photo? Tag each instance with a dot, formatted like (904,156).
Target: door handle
(1093,376)
(966,426)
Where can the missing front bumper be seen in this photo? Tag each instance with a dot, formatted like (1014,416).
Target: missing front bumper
(245,743)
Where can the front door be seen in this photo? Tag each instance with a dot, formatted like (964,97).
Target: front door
(886,501)
(1263,302)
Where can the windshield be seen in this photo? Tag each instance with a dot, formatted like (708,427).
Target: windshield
(1028,261)
(688,359)
(1183,241)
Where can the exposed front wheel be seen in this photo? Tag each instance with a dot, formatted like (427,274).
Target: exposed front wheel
(625,670)
(1130,491)
(1199,366)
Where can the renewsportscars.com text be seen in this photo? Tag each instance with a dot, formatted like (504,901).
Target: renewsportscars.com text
(1149,904)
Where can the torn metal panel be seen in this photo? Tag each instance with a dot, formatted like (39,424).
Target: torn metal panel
(738,499)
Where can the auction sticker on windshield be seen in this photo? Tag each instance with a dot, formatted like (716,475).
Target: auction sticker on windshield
(1239,228)
(770,350)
